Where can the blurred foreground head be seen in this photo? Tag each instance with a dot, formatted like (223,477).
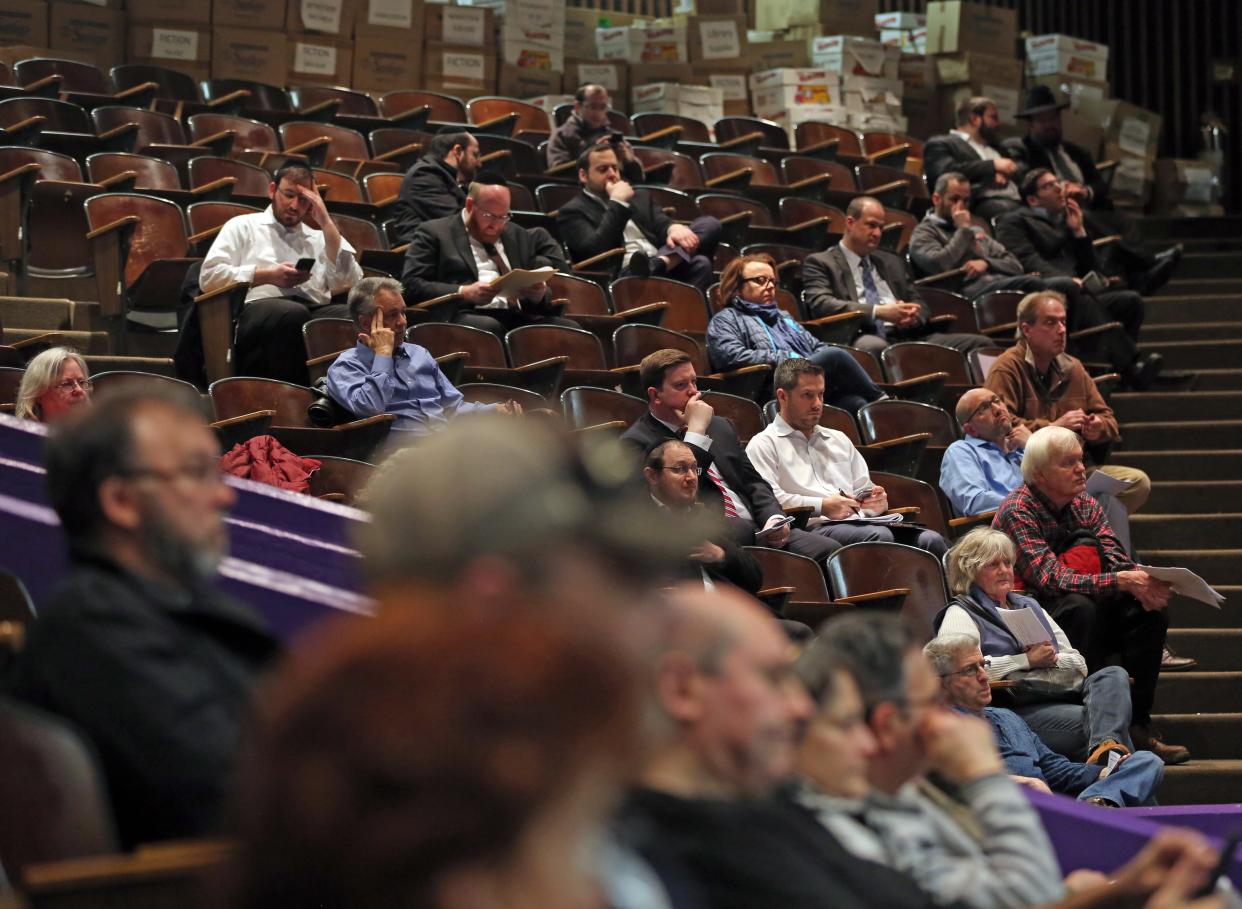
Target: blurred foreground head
(435,759)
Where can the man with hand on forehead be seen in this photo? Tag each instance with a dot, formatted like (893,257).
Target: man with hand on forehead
(385,374)
(265,250)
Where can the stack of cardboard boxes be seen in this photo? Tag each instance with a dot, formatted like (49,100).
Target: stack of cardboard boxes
(871,88)
(905,31)
(532,47)
(93,33)
(972,50)
(583,64)
(459,56)
(174,33)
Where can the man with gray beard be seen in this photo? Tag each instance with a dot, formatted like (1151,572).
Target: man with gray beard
(134,648)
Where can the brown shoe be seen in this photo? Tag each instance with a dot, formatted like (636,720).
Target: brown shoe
(1147,740)
(1101,802)
(1171,662)
(1104,749)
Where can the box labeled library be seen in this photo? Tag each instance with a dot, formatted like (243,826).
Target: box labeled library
(716,38)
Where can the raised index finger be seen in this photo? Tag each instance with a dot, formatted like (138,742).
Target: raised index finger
(377,321)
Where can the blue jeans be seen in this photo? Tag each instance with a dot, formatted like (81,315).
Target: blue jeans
(1075,729)
(1132,784)
(846,384)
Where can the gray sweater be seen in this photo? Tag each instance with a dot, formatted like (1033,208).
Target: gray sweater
(936,247)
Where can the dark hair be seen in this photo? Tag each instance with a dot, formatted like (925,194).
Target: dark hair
(858,203)
(296,171)
(655,454)
(791,371)
(975,106)
(596,148)
(395,750)
(653,367)
(731,277)
(591,88)
(873,647)
(490,178)
(88,447)
(447,139)
(1030,182)
(949,176)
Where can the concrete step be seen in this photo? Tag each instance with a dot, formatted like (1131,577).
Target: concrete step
(1216,566)
(50,314)
(1184,531)
(1178,285)
(1194,497)
(1188,434)
(1198,304)
(1200,692)
(1216,649)
(1176,229)
(1222,464)
(1210,265)
(1185,613)
(1202,783)
(1196,355)
(77,287)
(1213,380)
(1191,331)
(1176,406)
(1209,736)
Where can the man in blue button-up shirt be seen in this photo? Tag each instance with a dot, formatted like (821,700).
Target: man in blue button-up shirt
(383,375)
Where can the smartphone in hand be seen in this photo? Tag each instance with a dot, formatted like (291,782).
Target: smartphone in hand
(304,264)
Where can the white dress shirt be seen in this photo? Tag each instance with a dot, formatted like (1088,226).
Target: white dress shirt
(705,443)
(1008,189)
(804,471)
(488,271)
(255,241)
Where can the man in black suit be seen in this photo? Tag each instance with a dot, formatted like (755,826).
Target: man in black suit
(609,213)
(1044,146)
(435,186)
(463,253)
(1049,236)
(973,149)
(676,410)
(673,475)
(856,276)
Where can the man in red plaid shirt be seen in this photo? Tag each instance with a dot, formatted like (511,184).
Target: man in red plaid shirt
(1104,602)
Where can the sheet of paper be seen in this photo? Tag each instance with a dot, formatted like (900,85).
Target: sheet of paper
(395,13)
(521,278)
(322,15)
(314,58)
(1024,625)
(174,44)
(1100,483)
(1186,583)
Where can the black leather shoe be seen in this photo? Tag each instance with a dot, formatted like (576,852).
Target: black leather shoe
(1158,275)
(640,265)
(658,267)
(1144,370)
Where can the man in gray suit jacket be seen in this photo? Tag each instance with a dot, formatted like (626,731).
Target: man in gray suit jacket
(855,276)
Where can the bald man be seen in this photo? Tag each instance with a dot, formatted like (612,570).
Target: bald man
(462,254)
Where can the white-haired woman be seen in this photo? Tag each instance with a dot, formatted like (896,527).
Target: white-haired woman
(1078,715)
(55,382)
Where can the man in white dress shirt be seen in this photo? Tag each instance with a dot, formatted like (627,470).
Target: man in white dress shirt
(808,464)
(263,250)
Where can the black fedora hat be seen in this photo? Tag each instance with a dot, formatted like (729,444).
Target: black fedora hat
(1040,99)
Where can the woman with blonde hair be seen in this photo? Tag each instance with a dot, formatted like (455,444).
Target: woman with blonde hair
(55,382)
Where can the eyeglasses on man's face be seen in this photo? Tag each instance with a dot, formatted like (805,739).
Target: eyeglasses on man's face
(680,470)
(492,218)
(991,402)
(967,671)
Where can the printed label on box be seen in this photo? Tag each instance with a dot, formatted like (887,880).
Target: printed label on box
(732,86)
(96,2)
(322,16)
(315,59)
(464,26)
(600,74)
(720,40)
(395,13)
(1198,184)
(171,44)
(470,67)
(1133,136)
(870,58)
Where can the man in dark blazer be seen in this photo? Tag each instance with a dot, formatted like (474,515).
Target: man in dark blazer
(1044,146)
(435,187)
(463,253)
(610,213)
(729,481)
(974,151)
(855,276)
(1050,236)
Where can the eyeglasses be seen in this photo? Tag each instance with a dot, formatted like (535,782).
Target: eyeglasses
(1046,184)
(67,387)
(495,219)
(203,473)
(986,405)
(760,280)
(681,470)
(972,669)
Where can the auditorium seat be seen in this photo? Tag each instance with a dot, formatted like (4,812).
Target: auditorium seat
(881,182)
(894,150)
(810,602)
(254,142)
(262,97)
(206,219)
(746,221)
(898,229)
(520,120)
(161,136)
(496,393)
(633,342)
(487,361)
(340,479)
(601,408)
(687,307)
(587,363)
(912,359)
(127,172)
(892,419)
(744,413)
(177,92)
(661,166)
(892,577)
(442,108)
(61,127)
(587,303)
(252,182)
(80,83)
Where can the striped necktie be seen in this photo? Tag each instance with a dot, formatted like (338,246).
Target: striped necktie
(730,509)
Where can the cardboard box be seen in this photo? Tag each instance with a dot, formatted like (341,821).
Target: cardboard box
(164,11)
(527,82)
(1185,188)
(877,121)
(948,97)
(461,26)
(721,8)
(917,71)
(903,21)
(851,55)
(326,17)
(98,34)
(1083,132)
(718,40)
(182,47)
(612,74)
(1130,128)
(733,90)
(979,68)
(776,78)
(314,58)
(10,54)
(245,53)
(386,61)
(698,102)
(1132,181)
(647,73)
(773,100)
(779,54)
(263,14)
(791,117)
(912,41)
(954,26)
(390,14)
(1073,91)
(24,22)
(533,48)
(861,94)
(452,68)
(847,17)
(1050,55)
(580,26)
(657,44)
